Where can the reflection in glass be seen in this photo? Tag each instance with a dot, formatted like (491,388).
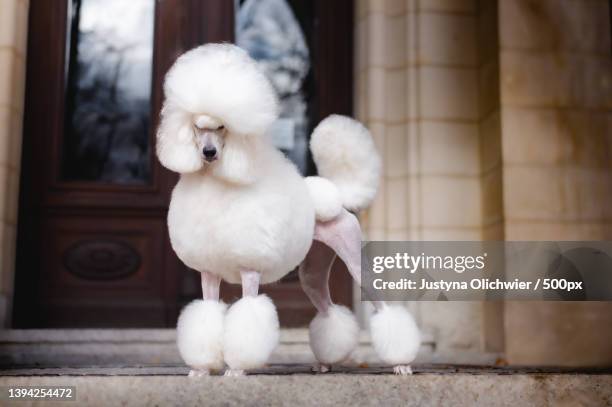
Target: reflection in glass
(269,30)
(109,61)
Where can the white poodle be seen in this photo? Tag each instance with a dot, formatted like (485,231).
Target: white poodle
(241,212)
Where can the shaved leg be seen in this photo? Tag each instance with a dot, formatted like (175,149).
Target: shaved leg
(343,235)
(250,283)
(210,286)
(314,278)
(339,237)
(314,275)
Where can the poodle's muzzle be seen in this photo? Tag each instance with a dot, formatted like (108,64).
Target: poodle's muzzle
(210,143)
(209,134)
(210,153)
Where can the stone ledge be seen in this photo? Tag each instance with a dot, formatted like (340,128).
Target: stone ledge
(296,386)
(10,336)
(287,369)
(154,347)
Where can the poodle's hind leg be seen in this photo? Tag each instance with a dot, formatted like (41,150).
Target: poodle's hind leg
(334,331)
(199,332)
(251,328)
(314,275)
(395,335)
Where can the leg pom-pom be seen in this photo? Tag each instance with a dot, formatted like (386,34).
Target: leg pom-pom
(251,333)
(199,334)
(395,336)
(334,335)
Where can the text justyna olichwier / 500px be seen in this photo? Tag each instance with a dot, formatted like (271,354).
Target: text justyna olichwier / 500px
(557,271)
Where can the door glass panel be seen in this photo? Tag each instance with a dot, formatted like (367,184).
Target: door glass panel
(277,34)
(108,93)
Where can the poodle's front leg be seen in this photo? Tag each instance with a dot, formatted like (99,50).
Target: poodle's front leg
(199,332)
(251,328)
(210,286)
(250,283)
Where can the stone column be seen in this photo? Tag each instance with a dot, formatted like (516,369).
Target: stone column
(418,69)
(13,33)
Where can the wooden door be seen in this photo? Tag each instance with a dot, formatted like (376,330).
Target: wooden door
(93,248)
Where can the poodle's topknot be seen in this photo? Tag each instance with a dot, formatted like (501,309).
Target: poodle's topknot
(222,81)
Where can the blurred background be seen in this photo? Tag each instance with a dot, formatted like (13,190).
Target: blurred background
(493,117)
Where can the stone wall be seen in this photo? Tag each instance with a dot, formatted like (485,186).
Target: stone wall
(13,34)
(418,69)
(556,113)
(494,121)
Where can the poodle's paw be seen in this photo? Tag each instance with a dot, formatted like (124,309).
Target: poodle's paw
(395,335)
(234,373)
(334,335)
(321,368)
(198,373)
(251,333)
(402,370)
(199,334)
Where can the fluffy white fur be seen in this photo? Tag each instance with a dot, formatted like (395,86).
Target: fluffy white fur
(206,122)
(222,81)
(345,154)
(224,228)
(200,334)
(251,332)
(325,197)
(395,335)
(176,147)
(334,336)
(242,156)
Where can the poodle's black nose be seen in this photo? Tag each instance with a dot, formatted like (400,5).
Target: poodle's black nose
(210,152)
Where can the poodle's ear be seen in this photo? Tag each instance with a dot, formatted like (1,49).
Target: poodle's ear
(176,146)
(237,163)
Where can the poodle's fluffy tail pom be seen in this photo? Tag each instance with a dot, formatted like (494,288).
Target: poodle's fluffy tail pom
(199,334)
(334,336)
(325,197)
(344,153)
(395,335)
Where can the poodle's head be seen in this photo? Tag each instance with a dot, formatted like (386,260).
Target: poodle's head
(218,105)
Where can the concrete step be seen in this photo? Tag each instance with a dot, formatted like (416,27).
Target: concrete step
(152,347)
(296,385)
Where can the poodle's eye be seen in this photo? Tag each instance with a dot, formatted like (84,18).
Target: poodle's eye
(221,127)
